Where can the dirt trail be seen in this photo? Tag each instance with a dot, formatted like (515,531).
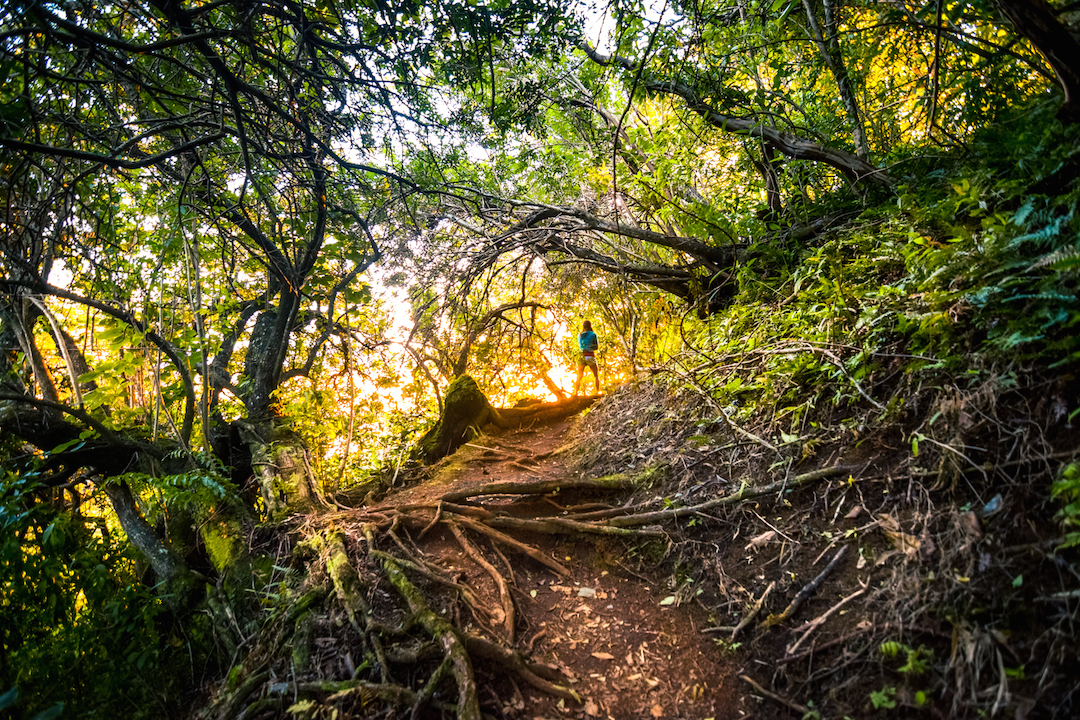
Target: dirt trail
(634,649)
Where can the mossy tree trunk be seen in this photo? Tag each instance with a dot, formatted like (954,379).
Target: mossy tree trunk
(282,466)
(467,411)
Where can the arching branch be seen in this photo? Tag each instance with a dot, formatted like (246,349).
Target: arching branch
(791,145)
(128,319)
(478,327)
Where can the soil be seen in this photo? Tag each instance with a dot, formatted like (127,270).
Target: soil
(893,585)
(633,649)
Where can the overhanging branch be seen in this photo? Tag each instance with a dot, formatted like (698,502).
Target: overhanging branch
(791,145)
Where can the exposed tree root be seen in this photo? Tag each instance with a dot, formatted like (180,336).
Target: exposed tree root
(806,592)
(416,657)
(500,582)
(444,632)
(539,676)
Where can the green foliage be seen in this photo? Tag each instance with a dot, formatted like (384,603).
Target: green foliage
(883,698)
(79,632)
(10,699)
(1067,490)
(916,660)
(968,268)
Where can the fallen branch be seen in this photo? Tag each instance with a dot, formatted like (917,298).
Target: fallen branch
(744,493)
(801,709)
(806,592)
(820,620)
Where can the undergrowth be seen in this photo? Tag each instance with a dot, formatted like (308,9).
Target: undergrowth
(933,345)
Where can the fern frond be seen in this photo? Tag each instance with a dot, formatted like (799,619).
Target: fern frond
(1041,236)
(1065,259)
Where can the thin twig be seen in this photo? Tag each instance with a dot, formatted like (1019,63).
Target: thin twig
(824,646)
(806,592)
(817,622)
(801,709)
(754,610)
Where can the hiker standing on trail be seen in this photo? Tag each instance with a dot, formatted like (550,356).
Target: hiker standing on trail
(589,344)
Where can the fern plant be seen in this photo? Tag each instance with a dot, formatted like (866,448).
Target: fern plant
(1067,490)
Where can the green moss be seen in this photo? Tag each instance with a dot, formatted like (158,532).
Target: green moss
(223,541)
(302,640)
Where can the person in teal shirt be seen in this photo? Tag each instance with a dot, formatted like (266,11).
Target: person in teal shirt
(589,344)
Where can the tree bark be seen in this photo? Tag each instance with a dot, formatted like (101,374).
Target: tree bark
(829,47)
(166,563)
(465,410)
(283,468)
(1036,21)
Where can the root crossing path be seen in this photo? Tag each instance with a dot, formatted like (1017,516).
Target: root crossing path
(503,585)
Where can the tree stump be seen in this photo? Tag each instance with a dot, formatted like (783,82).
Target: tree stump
(464,412)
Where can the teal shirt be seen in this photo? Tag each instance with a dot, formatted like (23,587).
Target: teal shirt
(588,341)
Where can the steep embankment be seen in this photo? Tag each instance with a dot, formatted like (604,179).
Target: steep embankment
(908,582)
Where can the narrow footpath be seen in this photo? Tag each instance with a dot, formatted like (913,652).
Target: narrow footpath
(632,646)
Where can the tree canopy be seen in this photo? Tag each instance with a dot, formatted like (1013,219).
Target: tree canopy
(215,212)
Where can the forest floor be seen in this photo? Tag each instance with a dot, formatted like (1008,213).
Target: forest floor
(612,626)
(638,561)
(860,579)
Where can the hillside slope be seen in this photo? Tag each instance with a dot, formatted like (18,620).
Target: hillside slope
(930,345)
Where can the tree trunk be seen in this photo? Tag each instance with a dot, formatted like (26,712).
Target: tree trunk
(829,47)
(1036,21)
(180,585)
(465,410)
(283,467)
